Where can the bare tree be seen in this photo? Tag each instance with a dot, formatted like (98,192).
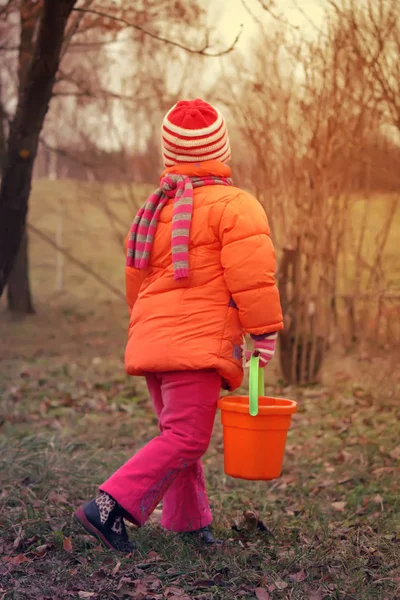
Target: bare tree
(374,31)
(3,127)
(305,113)
(23,140)
(19,295)
(110,18)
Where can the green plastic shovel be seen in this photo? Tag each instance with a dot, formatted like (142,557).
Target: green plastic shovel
(256,384)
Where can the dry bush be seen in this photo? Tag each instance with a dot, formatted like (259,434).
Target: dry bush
(305,112)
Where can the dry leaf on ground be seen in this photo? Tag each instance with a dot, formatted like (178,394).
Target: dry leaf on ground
(15,560)
(299,576)
(67,544)
(262,594)
(174,592)
(315,595)
(395,453)
(57,498)
(281,585)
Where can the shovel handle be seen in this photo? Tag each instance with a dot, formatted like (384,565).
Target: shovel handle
(256,384)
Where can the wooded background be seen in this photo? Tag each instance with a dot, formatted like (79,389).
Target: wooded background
(314,120)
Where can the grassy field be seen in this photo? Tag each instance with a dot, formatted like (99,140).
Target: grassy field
(94,221)
(96,218)
(69,416)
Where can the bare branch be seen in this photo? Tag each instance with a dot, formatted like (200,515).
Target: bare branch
(73,28)
(64,153)
(99,44)
(202,51)
(104,94)
(9,48)
(25,129)
(76,261)
(4,10)
(268,6)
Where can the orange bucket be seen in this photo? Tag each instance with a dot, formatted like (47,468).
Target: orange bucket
(255,430)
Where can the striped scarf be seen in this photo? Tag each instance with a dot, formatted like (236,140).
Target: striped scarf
(144,226)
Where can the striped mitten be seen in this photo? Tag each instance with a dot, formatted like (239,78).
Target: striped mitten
(264,347)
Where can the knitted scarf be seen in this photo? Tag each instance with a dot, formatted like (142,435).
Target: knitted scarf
(140,241)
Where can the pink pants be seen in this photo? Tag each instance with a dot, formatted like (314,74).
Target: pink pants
(169,466)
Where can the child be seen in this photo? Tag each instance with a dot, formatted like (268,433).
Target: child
(200,273)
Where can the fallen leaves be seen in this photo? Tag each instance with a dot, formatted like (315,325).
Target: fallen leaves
(57,498)
(19,538)
(383,471)
(41,550)
(174,592)
(67,544)
(344,457)
(152,583)
(395,453)
(252,523)
(116,569)
(339,506)
(262,594)
(250,520)
(280,585)
(16,560)
(146,588)
(311,553)
(298,577)
(140,591)
(315,595)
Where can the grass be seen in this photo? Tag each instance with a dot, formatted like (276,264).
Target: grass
(69,416)
(372,212)
(96,218)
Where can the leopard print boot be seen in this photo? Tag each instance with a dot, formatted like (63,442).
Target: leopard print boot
(102,518)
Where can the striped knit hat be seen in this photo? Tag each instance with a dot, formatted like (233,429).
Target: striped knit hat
(194,131)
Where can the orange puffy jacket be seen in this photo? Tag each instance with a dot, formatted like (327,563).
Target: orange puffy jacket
(199,322)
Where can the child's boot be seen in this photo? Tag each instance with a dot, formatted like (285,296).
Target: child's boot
(204,536)
(102,518)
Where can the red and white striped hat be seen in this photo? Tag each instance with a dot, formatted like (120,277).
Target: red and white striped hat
(194,131)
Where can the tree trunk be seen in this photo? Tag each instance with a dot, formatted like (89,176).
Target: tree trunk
(302,349)
(33,104)
(19,297)
(3,133)
(300,359)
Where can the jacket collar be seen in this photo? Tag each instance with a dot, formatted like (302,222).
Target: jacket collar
(200,169)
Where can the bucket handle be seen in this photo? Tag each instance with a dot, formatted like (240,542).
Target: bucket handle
(256,384)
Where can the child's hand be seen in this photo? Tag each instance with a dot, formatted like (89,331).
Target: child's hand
(264,347)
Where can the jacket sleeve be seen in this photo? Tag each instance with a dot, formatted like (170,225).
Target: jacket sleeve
(249,263)
(133,281)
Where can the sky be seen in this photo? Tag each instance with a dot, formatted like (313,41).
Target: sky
(227,16)
(224,21)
